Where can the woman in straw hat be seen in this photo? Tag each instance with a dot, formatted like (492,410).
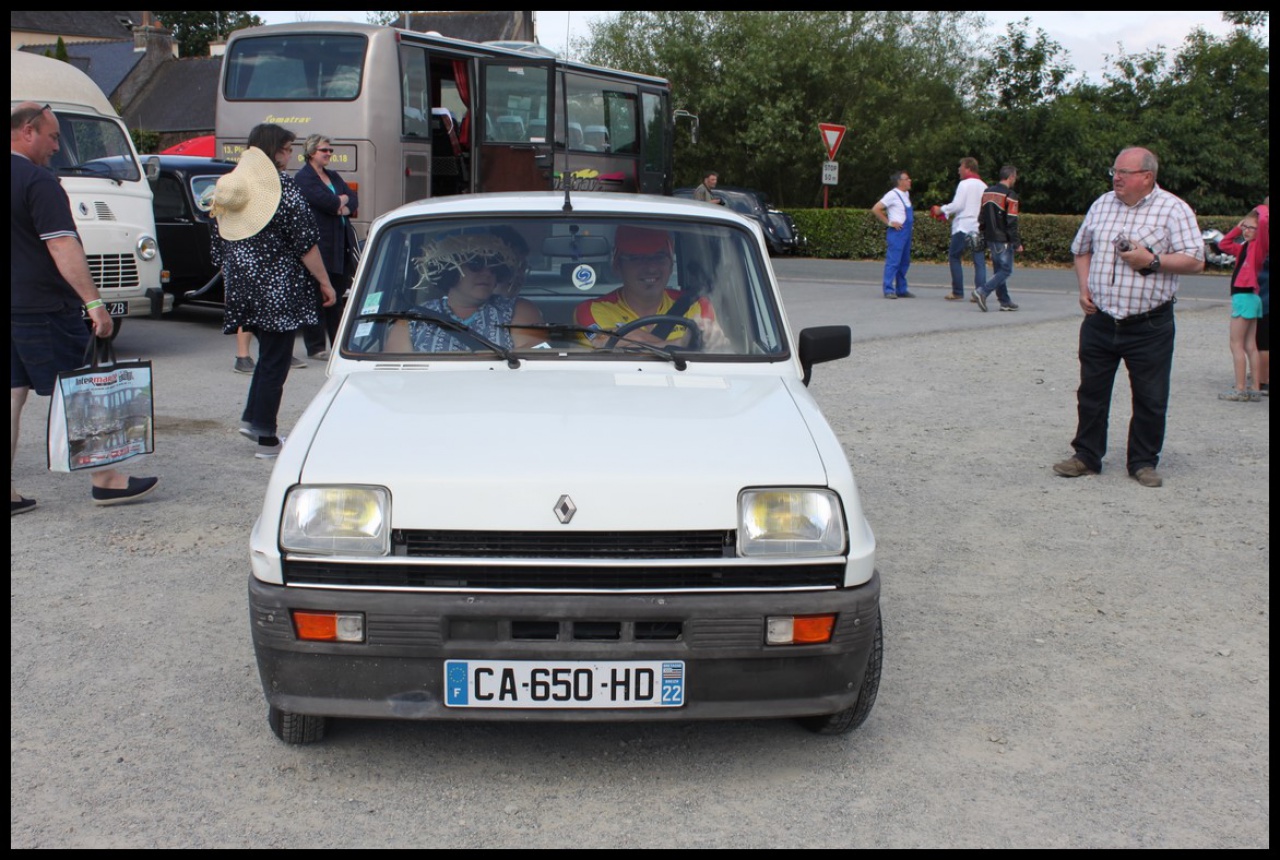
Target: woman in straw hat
(472,277)
(266,244)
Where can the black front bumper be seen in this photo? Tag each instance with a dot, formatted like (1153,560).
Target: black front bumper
(398,672)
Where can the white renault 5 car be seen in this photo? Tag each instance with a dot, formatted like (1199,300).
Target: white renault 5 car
(565,466)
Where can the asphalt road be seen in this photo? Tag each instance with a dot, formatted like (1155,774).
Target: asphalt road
(1075,664)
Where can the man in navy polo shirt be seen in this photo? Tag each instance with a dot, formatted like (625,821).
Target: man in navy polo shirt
(50,280)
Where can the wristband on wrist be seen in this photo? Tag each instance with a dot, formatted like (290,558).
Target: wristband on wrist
(96,303)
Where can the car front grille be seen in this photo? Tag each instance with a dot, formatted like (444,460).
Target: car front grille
(113,270)
(611,545)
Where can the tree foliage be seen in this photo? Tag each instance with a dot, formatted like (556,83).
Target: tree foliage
(918,91)
(760,99)
(193,31)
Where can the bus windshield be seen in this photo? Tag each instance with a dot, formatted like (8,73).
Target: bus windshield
(296,68)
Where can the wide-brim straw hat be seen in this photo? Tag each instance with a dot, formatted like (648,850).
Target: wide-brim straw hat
(246,198)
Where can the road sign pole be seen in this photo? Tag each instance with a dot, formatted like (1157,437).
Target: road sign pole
(832,137)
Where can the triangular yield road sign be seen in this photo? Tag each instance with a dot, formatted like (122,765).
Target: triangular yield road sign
(832,136)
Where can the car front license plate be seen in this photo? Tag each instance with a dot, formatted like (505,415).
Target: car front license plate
(115,309)
(568,684)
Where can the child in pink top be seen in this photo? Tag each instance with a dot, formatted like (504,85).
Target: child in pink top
(1250,242)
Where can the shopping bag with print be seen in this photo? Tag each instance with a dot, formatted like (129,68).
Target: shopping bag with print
(102,414)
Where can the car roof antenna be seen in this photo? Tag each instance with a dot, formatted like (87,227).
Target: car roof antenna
(564,112)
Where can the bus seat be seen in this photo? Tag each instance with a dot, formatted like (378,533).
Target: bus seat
(343,84)
(537,130)
(511,128)
(449,173)
(596,137)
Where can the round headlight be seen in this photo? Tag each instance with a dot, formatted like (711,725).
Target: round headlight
(147,248)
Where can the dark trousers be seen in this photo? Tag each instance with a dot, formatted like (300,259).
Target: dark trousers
(1002,260)
(266,389)
(1146,348)
(313,336)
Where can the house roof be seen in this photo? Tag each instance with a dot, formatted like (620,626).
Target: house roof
(99,24)
(180,97)
(471,26)
(107,63)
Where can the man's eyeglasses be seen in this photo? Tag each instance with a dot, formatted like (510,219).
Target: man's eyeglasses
(324,149)
(1120,171)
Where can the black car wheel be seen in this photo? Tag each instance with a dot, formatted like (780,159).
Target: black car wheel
(295,728)
(842,722)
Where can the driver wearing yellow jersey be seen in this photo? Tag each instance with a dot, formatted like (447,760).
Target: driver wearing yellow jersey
(642,258)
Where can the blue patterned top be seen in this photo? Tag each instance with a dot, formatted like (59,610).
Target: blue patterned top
(486,322)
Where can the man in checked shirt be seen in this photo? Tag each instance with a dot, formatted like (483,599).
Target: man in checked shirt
(1134,243)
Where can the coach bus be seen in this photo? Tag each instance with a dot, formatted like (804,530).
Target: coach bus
(414,115)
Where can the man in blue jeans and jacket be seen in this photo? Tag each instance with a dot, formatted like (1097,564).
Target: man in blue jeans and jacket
(998,221)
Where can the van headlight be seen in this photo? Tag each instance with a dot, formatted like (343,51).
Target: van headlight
(337,520)
(790,522)
(147,248)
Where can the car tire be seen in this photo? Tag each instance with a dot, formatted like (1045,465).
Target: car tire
(843,722)
(296,728)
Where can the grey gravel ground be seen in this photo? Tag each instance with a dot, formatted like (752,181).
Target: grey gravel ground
(1068,663)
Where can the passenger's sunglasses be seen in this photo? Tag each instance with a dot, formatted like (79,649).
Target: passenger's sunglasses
(502,270)
(324,149)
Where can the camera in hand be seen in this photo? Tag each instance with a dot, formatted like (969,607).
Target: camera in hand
(1122,244)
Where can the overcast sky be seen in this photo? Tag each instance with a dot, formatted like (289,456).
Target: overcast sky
(1089,37)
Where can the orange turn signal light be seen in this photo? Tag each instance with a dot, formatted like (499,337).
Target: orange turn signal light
(813,629)
(328,626)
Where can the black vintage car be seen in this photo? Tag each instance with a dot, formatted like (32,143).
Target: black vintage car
(779,229)
(183,227)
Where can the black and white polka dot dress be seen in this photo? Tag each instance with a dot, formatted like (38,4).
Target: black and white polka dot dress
(267,286)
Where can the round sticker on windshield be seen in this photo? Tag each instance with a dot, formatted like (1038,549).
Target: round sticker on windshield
(584,277)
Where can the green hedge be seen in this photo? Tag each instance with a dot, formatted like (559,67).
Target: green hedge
(855,234)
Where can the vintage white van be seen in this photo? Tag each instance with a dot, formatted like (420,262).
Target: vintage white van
(99,169)
(565,466)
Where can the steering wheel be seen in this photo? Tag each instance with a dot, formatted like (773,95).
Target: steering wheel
(695,337)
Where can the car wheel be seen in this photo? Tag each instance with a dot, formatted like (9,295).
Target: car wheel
(842,722)
(295,728)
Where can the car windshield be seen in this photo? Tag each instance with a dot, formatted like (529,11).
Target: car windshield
(92,146)
(564,287)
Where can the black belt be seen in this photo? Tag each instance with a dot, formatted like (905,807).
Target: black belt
(1134,319)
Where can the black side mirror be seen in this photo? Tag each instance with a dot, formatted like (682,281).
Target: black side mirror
(824,343)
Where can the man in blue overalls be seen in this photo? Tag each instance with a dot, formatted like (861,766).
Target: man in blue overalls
(894,209)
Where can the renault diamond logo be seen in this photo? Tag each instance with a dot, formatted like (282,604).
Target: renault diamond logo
(565,509)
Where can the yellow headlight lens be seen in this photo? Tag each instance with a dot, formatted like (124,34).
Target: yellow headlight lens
(797,522)
(353,520)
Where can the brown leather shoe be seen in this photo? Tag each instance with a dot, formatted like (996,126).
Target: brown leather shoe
(1147,476)
(952,297)
(1072,468)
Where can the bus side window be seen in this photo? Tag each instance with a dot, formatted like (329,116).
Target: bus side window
(414,99)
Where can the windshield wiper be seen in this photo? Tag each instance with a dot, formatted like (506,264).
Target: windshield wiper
(446,322)
(85,170)
(572,328)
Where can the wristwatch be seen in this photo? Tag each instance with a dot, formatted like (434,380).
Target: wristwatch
(1153,266)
